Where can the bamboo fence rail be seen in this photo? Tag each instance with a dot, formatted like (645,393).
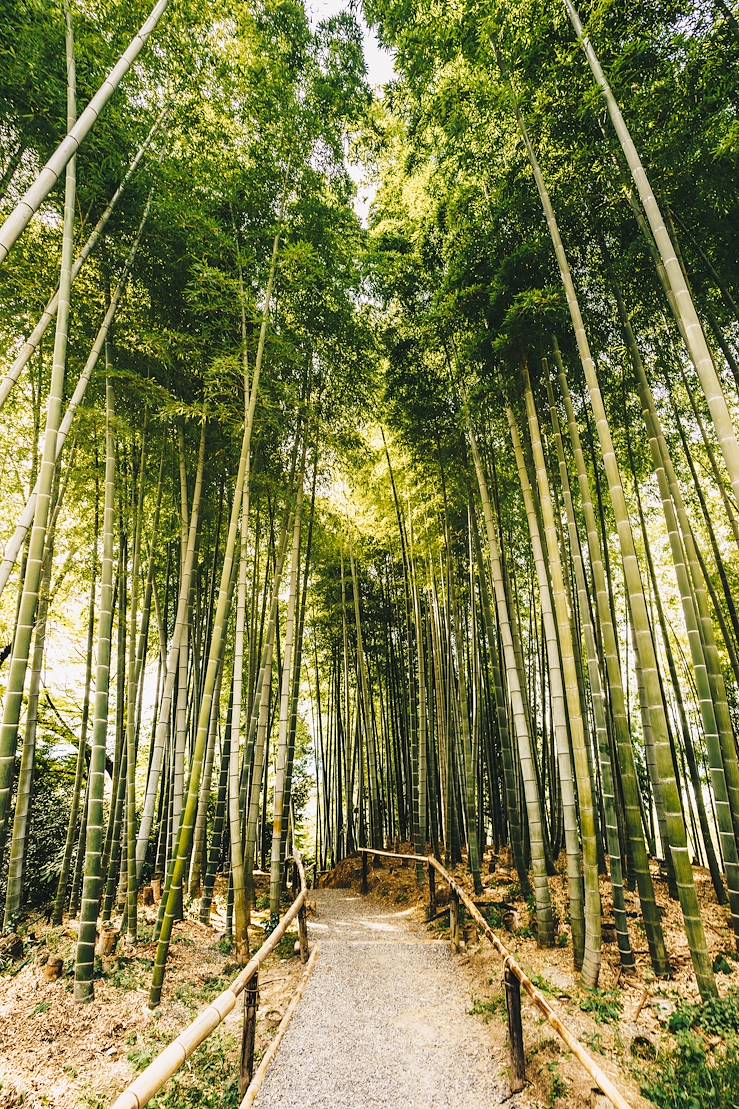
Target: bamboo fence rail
(160,1070)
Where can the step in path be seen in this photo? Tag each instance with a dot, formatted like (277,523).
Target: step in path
(385,1020)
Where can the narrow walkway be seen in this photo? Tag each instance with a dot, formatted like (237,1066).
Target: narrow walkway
(384,1020)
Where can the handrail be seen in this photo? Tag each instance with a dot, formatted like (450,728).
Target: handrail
(150,1081)
(512,969)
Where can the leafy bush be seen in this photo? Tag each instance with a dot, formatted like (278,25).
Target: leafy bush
(494,1006)
(47,829)
(492,915)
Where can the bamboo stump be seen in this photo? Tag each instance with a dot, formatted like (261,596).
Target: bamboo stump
(11,947)
(53,969)
(365,872)
(515,1031)
(107,941)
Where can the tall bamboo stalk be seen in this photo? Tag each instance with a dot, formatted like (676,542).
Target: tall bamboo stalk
(85,955)
(16,223)
(19,657)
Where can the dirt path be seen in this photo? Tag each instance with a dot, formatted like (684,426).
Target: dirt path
(384,1021)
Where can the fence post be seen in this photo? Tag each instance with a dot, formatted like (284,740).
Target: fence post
(303,934)
(432,893)
(251,1001)
(454,920)
(365,872)
(515,1031)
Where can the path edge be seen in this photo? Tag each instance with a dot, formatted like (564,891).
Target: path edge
(262,1070)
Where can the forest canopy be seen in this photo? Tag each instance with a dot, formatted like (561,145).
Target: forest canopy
(418,527)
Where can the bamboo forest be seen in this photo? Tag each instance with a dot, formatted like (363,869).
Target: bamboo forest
(369,482)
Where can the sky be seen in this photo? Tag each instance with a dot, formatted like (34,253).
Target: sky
(379,61)
(380,70)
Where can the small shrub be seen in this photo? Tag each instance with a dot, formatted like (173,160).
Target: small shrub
(719,1016)
(492,915)
(686,1077)
(558,1087)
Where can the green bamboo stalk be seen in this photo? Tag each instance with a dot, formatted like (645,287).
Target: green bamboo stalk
(559,707)
(85,955)
(542,896)
(18,663)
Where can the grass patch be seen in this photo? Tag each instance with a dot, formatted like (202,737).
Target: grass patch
(543,984)
(209,1079)
(129,973)
(606,1005)
(493,1007)
(197,994)
(557,1086)
(286,947)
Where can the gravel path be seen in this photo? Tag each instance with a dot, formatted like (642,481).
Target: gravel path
(384,1020)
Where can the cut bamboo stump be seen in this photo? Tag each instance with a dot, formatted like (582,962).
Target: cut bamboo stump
(11,947)
(53,969)
(107,941)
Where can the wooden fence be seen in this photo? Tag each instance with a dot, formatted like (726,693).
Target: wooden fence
(161,1069)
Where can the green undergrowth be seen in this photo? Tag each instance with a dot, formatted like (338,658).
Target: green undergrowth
(605,1005)
(197,994)
(698,1066)
(209,1079)
(487,1009)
